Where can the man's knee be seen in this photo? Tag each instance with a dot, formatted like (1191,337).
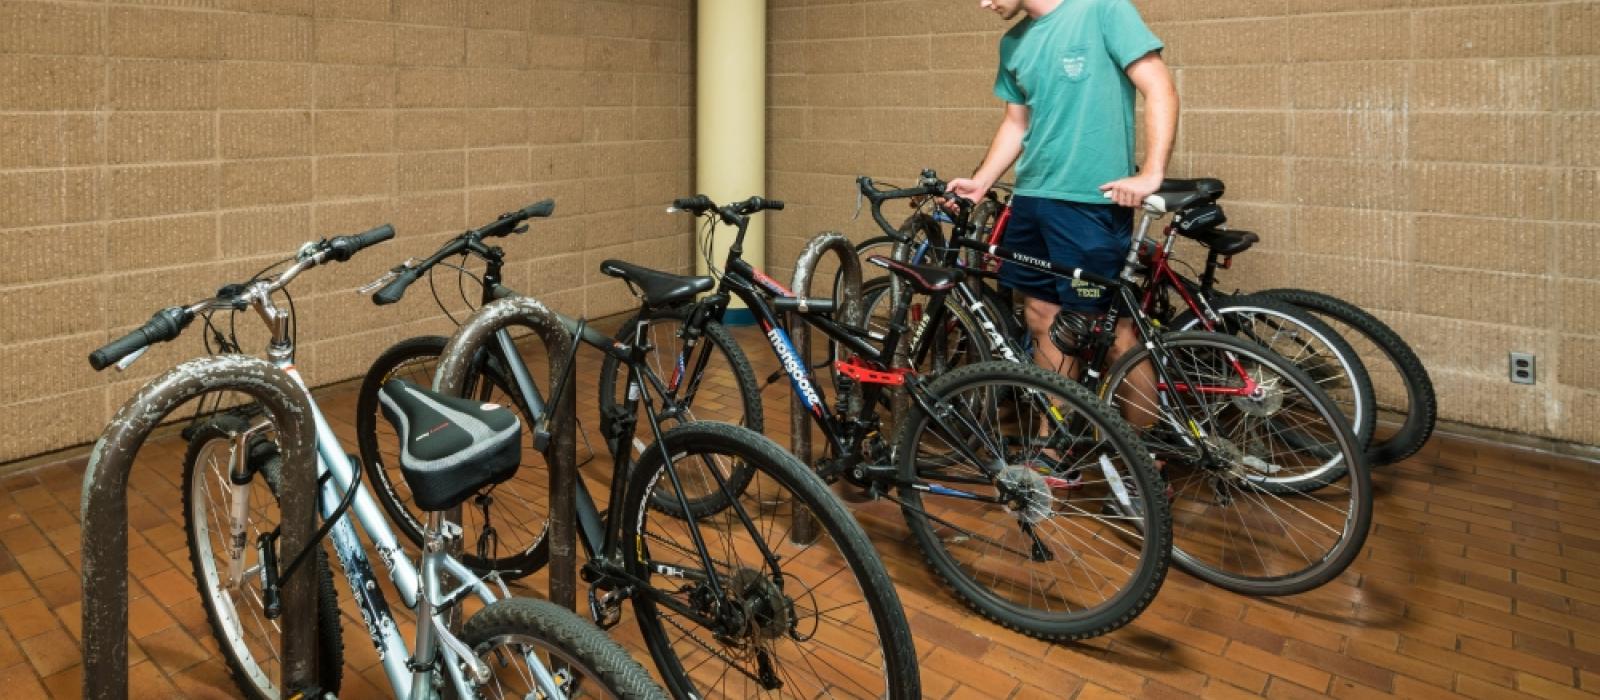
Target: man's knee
(1039,315)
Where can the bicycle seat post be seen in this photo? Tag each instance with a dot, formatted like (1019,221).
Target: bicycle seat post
(1146,218)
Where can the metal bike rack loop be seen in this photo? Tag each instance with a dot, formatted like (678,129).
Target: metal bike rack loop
(848,311)
(562,453)
(105,513)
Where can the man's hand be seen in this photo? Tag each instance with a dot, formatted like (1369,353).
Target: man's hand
(964,187)
(1131,191)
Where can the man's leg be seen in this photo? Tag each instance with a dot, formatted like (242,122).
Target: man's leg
(1040,315)
(1138,390)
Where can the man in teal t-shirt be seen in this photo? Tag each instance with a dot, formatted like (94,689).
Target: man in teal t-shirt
(1068,74)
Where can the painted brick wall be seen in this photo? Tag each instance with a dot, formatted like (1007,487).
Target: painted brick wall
(150,151)
(1435,161)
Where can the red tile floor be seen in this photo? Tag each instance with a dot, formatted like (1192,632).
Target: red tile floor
(1481,579)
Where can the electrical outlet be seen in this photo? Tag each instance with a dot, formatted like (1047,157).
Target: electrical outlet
(1523,369)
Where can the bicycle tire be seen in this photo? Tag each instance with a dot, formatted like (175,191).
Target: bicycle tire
(388,485)
(842,559)
(256,683)
(571,643)
(960,320)
(733,362)
(1237,310)
(1421,409)
(1032,612)
(1188,480)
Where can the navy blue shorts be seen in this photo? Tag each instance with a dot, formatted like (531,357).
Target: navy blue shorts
(1094,237)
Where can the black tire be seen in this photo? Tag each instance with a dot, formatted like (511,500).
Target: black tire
(1012,398)
(255,681)
(1213,500)
(1301,338)
(863,613)
(576,651)
(729,363)
(1401,382)
(954,339)
(522,500)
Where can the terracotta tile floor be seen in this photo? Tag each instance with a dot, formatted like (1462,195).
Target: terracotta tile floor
(1481,579)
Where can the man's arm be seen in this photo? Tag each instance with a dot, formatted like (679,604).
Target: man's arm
(1003,151)
(1151,77)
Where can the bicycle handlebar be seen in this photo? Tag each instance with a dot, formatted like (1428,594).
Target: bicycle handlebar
(342,247)
(731,214)
(401,277)
(929,185)
(167,324)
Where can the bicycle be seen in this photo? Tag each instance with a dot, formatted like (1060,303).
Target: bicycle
(729,600)
(516,546)
(1364,363)
(996,461)
(231,475)
(1297,335)
(1215,409)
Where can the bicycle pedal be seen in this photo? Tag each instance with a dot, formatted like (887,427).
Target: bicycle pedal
(606,610)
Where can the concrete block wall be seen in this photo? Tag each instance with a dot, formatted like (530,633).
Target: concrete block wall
(151,151)
(1435,161)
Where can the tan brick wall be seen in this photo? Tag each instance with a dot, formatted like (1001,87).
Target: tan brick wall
(150,151)
(1436,161)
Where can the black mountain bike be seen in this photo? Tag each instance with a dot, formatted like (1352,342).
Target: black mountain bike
(505,528)
(1035,504)
(760,587)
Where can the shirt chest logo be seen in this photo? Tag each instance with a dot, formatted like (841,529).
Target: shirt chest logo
(1074,66)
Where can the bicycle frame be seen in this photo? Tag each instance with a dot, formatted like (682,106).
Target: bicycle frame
(420,591)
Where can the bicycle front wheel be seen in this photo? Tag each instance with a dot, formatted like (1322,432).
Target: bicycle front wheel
(712,380)
(1272,496)
(1036,505)
(231,593)
(504,526)
(512,635)
(778,595)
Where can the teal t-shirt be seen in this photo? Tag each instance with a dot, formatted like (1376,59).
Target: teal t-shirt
(1069,68)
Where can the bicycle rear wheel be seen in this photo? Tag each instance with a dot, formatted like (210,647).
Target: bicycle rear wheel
(1403,389)
(1068,537)
(1310,344)
(817,618)
(503,527)
(1274,499)
(583,661)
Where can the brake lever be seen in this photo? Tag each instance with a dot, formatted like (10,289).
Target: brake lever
(859,197)
(126,362)
(520,229)
(386,277)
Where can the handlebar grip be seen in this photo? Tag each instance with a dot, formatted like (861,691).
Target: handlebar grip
(165,325)
(395,289)
(341,248)
(772,204)
(538,210)
(698,204)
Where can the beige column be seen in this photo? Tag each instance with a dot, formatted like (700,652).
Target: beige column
(730,115)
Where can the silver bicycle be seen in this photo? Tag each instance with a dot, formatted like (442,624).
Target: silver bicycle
(508,647)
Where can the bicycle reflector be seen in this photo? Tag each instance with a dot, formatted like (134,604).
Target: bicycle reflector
(1202,218)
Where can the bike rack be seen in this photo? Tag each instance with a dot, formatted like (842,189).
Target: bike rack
(848,311)
(105,513)
(562,452)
